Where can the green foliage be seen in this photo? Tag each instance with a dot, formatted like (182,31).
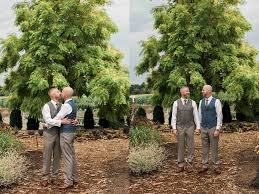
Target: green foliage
(16,119)
(88,119)
(33,123)
(64,43)
(143,136)
(158,115)
(139,89)
(3,101)
(200,42)
(104,123)
(9,143)
(143,99)
(141,112)
(146,159)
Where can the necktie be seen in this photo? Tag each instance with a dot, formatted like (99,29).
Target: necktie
(206,102)
(185,101)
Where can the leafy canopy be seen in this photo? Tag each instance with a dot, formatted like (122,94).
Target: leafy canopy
(201,41)
(64,42)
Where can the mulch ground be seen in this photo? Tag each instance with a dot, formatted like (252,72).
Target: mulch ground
(103,169)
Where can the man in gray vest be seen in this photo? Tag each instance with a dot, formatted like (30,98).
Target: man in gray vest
(210,113)
(51,140)
(67,117)
(185,120)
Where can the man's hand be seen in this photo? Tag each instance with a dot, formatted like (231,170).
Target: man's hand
(65,121)
(75,122)
(216,133)
(197,131)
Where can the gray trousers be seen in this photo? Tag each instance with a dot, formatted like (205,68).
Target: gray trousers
(209,142)
(185,136)
(68,154)
(51,149)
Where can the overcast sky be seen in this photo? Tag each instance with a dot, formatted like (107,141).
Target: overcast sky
(135,23)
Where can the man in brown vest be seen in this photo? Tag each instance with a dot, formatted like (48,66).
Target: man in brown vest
(185,120)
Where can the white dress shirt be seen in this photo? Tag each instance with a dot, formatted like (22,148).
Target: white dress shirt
(218,112)
(56,121)
(195,114)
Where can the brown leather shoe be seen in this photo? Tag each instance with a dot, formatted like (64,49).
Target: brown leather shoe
(65,186)
(217,171)
(203,170)
(180,169)
(44,183)
(189,169)
(54,182)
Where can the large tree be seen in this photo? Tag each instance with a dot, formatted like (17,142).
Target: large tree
(64,42)
(201,41)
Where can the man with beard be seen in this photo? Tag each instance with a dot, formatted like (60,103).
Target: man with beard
(185,120)
(51,141)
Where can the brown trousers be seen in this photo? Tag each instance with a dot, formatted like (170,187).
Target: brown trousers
(185,136)
(69,158)
(51,153)
(209,142)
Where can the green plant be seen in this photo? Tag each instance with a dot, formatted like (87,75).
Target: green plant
(12,168)
(141,112)
(146,159)
(32,124)
(1,118)
(88,119)
(64,44)
(104,123)
(143,99)
(198,43)
(143,135)
(9,142)
(16,119)
(158,115)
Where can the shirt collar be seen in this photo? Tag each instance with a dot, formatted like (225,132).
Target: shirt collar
(209,98)
(183,99)
(68,100)
(54,102)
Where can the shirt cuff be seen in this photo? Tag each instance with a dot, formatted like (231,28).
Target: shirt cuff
(59,123)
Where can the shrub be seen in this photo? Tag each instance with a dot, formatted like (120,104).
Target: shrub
(16,119)
(9,142)
(158,115)
(145,159)
(104,123)
(12,168)
(143,135)
(88,119)
(143,99)
(33,123)
(1,118)
(141,112)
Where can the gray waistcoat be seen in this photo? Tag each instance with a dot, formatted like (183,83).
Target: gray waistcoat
(185,118)
(53,110)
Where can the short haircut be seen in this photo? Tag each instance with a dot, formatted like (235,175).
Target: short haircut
(181,89)
(69,91)
(51,90)
(208,87)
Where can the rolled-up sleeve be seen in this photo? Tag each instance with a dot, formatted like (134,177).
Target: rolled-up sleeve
(219,114)
(196,115)
(47,117)
(174,115)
